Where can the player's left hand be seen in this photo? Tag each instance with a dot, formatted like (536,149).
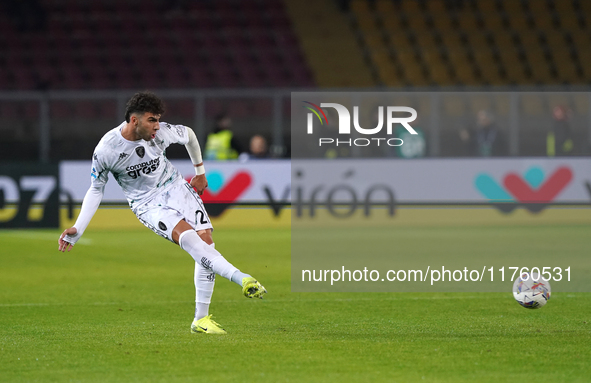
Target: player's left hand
(64,245)
(199,183)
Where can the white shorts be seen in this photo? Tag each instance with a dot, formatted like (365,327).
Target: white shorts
(162,213)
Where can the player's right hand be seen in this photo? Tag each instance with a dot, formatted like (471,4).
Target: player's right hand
(64,245)
(199,183)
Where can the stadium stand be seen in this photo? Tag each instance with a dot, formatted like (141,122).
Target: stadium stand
(474,43)
(329,44)
(267,43)
(152,44)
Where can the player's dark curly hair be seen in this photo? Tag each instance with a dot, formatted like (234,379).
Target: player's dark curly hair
(143,102)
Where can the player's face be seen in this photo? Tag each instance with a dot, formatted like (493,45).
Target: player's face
(147,125)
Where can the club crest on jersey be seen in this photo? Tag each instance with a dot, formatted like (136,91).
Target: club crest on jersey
(141,151)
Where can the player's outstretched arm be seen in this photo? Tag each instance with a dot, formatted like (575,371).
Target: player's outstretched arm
(90,204)
(199,182)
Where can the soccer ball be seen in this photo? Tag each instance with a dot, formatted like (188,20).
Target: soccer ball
(531,291)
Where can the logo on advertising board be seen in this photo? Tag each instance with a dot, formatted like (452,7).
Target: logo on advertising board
(534,190)
(392,118)
(221,192)
(29,196)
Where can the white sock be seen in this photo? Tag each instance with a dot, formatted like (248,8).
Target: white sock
(201,310)
(238,276)
(204,282)
(207,256)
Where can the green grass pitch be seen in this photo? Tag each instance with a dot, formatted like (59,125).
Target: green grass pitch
(119,306)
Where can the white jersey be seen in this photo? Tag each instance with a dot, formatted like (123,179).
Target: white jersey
(139,167)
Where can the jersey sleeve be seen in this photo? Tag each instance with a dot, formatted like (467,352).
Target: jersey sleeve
(100,172)
(174,134)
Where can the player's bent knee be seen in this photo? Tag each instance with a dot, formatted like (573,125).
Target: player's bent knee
(180,228)
(206,236)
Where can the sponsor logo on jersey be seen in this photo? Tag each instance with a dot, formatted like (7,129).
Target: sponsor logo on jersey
(141,151)
(135,171)
(123,155)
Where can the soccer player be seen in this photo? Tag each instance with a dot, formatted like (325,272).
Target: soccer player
(161,199)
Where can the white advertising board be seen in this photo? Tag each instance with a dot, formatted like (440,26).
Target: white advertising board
(472,180)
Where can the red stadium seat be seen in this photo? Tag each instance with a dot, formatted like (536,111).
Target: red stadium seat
(91,45)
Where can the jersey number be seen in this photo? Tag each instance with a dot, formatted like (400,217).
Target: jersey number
(201,219)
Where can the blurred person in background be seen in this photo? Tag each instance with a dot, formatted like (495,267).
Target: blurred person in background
(559,140)
(486,139)
(221,144)
(258,147)
(414,145)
